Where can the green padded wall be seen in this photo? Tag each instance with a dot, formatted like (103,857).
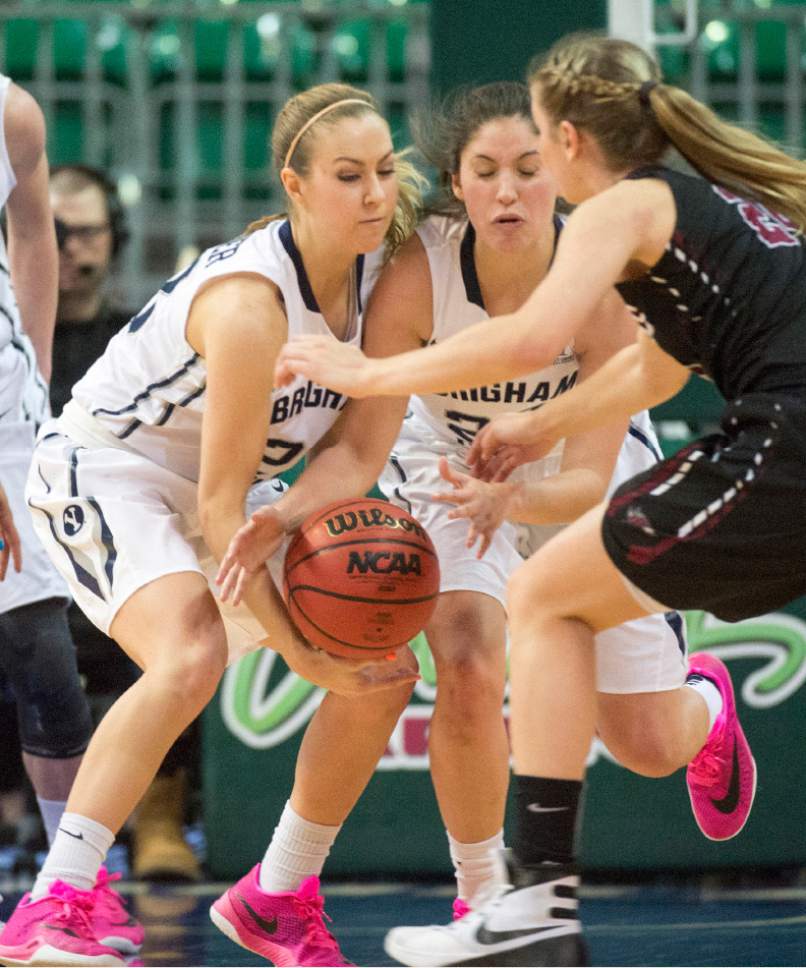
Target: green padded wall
(476,41)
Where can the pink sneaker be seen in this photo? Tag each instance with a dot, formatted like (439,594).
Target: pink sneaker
(722,776)
(460,908)
(111,921)
(54,930)
(287,927)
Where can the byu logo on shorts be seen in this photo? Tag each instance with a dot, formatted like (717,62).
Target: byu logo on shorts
(72,519)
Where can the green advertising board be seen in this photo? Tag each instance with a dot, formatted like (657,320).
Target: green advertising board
(253,730)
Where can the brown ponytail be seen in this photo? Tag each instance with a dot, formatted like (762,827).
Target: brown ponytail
(611,88)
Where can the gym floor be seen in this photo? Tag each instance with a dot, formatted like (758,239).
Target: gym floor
(646,924)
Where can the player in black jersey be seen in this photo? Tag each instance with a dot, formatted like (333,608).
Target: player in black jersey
(714,269)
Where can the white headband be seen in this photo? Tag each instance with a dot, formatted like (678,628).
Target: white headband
(336,104)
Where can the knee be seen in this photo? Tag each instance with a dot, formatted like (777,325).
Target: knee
(387,704)
(189,675)
(52,710)
(468,681)
(644,749)
(528,594)
(469,659)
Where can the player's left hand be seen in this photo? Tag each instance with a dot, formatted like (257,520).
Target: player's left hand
(249,549)
(10,546)
(485,505)
(324,360)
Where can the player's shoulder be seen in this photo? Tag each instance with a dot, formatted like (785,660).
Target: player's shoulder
(24,127)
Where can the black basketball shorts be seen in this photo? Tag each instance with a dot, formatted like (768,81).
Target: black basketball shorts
(721,525)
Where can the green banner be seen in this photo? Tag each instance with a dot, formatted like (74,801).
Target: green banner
(253,730)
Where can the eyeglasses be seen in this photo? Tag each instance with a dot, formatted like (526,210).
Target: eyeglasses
(84,233)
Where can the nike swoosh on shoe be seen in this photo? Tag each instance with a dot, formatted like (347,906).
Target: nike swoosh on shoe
(730,801)
(270,927)
(485,936)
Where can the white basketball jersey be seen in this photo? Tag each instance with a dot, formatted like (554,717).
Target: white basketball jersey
(23,392)
(148,388)
(454,418)
(448,422)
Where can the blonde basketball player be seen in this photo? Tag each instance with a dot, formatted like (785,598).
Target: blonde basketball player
(143,480)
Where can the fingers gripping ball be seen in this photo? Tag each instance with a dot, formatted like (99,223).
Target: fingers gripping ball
(361,578)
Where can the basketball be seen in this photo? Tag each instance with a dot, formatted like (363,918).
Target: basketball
(361,578)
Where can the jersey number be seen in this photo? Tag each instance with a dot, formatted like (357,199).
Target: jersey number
(773,230)
(472,425)
(286,452)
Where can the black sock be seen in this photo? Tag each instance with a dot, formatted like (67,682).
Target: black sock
(546,819)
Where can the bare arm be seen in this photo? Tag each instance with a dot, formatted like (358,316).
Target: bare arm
(238,326)
(589,457)
(637,378)
(33,256)
(629,221)
(348,461)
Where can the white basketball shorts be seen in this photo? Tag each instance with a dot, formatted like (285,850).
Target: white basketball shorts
(646,655)
(113,521)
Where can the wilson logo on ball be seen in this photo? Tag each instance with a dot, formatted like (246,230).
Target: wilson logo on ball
(384,563)
(372,518)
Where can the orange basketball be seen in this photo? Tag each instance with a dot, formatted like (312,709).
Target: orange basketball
(361,578)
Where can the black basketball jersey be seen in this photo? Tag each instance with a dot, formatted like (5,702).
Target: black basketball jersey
(728,296)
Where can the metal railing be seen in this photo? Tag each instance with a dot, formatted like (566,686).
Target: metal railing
(737,29)
(143,120)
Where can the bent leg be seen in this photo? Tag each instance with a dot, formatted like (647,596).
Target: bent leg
(558,600)
(38,658)
(172,629)
(653,733)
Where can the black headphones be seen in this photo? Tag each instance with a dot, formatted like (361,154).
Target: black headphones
(114,206)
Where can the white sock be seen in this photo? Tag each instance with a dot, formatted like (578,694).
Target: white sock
(51,811)
(710,694)
(78,850)
(297,850)
(475,865)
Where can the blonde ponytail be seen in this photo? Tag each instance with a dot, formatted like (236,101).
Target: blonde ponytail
(731,156)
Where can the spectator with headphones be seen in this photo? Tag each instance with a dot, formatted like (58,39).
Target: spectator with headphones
(91,232)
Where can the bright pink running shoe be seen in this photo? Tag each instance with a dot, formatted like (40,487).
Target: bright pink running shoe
(288,928)
(722,776)
(54,930)
(111,921)
(460,908)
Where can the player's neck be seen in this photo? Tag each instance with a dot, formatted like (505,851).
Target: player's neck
(508,279)
(328,267)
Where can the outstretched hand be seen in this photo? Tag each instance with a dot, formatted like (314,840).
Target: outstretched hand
(485,505)
(338,366)
(506,442)
(10,546)
(248,551)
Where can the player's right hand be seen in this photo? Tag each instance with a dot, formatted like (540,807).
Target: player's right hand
(506,442)
(248,551)
(353,677)
(10,546)
(324,360)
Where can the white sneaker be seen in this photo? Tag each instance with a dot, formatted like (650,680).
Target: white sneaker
(531,921)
